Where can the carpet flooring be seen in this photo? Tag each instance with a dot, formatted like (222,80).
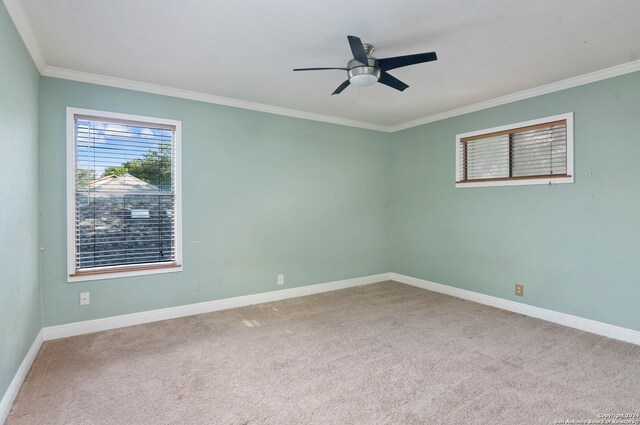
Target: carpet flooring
(386,353)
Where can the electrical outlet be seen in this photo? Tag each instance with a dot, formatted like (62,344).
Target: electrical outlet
(519,289)
(84,298)
(280,279)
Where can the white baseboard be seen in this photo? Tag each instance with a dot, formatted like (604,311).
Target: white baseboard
(114,322)
(18,379)
(587,325)
(90,326)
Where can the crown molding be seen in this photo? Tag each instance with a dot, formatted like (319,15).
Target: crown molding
(579,80)
(122,83)
(592,77)
(21,22)
(19,17)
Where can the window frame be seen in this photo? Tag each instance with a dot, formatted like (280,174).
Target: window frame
(119,271)
(519,181)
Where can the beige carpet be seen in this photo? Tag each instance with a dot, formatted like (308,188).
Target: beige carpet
(378,354)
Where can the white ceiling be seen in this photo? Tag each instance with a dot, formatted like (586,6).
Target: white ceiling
(246,49)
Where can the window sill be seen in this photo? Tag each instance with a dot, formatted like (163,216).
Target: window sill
(103,273)
(517,182)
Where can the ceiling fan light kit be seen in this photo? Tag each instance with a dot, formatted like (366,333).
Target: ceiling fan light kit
(365,70)
(364,76)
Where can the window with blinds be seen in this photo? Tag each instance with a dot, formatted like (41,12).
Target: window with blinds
(125,195)
(534,152)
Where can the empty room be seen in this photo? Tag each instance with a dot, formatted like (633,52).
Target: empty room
(250,213)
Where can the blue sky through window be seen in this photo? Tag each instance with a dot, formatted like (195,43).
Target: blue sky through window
(106,144)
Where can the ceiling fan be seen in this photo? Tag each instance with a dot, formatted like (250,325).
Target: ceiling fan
(364,70)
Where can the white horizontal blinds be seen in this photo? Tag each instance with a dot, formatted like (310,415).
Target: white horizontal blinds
(540,152)
(488,158)
(529,152)
(125,193)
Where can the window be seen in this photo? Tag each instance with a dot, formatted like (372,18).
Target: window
(123,184)
(532,152)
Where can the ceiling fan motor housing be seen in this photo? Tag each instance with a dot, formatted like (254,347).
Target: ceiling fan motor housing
(364,75)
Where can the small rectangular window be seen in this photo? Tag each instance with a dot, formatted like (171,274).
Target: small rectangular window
(124,195)
(533,152)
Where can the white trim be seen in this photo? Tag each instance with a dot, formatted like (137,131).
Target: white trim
(178,195)
(117,275)
(579,80)
(18,378)
(524,182)
(587,325)
(114,322)
(71,189)
(104,80)
(567,116)
(21,22)
(71,170)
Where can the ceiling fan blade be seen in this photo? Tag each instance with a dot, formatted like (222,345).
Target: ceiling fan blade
(391,81)
(341,87)
(358,49)
(387,64)
(318,69)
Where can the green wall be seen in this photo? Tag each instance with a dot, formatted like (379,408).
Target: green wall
(265,194)
(574,246)
(262,194)
(19,286)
